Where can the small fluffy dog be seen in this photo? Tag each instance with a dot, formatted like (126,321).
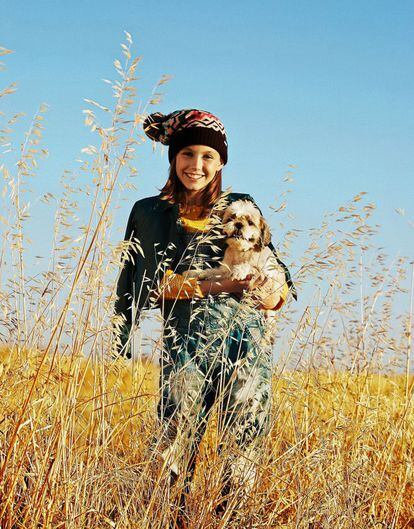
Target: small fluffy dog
(247,254)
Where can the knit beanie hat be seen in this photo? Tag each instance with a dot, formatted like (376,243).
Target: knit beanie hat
(187,127)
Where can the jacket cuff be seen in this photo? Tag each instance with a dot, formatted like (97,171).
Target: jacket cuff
(283,295)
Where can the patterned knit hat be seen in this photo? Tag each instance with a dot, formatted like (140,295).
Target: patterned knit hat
(187,127)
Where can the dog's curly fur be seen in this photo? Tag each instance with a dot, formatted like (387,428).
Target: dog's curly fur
(247,254)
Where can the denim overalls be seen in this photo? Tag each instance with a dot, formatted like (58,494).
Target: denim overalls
(214,358)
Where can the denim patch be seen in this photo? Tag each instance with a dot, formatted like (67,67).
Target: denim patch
(218,359)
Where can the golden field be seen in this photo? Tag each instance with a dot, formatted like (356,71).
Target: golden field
(75,437)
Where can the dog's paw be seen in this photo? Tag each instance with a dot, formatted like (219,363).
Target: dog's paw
(190,274)
(215,274)
(201,275)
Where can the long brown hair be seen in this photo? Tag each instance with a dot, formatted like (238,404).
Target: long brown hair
(174,191)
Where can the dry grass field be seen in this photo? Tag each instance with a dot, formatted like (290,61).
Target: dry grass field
(78,428)
(75,450)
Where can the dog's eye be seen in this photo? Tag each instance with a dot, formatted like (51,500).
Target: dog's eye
(250,223)
(232,217)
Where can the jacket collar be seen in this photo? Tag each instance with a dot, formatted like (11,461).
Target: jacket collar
(165,204)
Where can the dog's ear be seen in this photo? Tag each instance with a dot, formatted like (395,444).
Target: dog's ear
(265,235)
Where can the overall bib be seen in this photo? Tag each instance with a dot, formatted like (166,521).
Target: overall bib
(214,358)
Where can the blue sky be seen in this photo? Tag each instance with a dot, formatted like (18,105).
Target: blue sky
(327,86)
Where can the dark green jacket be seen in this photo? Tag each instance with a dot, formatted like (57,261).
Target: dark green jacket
(154,223)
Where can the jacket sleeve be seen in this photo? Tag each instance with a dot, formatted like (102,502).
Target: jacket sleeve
(125,285)
(176,286)
(290,286)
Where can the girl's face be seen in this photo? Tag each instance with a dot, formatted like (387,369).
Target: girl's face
(196,166)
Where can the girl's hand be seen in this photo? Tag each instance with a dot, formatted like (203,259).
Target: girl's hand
(263,291)
(249,283)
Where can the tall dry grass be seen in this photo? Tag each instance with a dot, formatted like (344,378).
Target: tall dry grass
(78,429)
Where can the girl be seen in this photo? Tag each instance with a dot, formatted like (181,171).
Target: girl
(214,354)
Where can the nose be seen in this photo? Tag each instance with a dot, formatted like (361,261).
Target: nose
(197,162)
(238,225)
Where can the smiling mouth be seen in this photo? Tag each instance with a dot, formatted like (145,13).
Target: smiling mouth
(194,177)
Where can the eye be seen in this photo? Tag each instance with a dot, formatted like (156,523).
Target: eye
(250,222)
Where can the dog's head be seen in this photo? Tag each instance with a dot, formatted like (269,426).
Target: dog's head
(244,226)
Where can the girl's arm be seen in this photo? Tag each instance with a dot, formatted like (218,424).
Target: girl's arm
(225,285)
(269,294)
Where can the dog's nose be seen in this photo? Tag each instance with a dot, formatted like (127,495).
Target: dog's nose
(238,225)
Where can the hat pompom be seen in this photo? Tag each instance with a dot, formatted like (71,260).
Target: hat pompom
(153,126)
(187,127)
